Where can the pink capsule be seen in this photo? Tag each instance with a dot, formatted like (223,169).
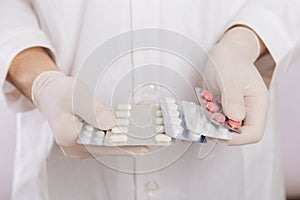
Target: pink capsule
(234,124)
(212,107)
(220,118)
(206,95)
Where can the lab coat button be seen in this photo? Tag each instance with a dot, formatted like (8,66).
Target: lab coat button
(151,188)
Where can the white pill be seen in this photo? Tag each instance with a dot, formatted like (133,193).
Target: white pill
(124,107)
(172,106)
(88,127)
(98,140)
(177,129)
(173,113)
(119,129)
(195,136)
(122,114)
(122,122)
(159,129)
(118,138)
(159,120)
(85,140)
(157,106)
(162,138)
(170,100)
(100,133)
(175,120)
(86,133)
(158,113)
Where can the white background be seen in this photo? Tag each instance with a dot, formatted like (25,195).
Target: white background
(289,120)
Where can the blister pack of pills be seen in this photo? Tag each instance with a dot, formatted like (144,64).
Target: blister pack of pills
(211,105)
(189,121)
(175,123)
(137,125)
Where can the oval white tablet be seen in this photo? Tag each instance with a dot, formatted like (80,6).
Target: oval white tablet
(158,113)
(119,129)
(195,136)
(122,114)
(85,140)
(177,129)
(124,107)
(122,122)
(88,127)
(98,140)
(175,120)
(162,138)
(172,106)
(159,129)
(159,120)
(99,133)
(157,106)
(173,113)
(118,138)
(87,133)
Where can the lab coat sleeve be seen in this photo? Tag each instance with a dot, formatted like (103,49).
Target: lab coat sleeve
(276,22)
(19,30)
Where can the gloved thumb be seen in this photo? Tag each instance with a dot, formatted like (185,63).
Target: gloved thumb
(87,107)
(105,117)
(233,103)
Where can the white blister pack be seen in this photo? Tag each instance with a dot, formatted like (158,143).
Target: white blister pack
(175,121)
(188,121)
(137,125)
(90,135)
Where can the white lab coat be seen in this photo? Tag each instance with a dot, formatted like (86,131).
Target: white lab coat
(71,29)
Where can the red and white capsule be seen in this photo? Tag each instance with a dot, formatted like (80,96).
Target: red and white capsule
(206,95)
(234,124)
(212,107)
(218,117)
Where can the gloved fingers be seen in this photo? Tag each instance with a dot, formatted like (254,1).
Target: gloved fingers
(257,102)
(105,117)
(233,102)
(91,110)
(66,129)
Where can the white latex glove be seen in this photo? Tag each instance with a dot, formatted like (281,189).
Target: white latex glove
(53,93)
(230,71)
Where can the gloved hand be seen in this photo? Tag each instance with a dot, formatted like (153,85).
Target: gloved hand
(230,71)
(53,93)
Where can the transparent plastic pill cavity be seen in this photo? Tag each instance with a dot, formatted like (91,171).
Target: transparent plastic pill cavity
(90,135)
(137,125)
(175,124)
(188,121)
(211,105)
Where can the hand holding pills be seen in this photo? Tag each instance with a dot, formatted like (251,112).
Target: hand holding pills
(53,93)
(231,72)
